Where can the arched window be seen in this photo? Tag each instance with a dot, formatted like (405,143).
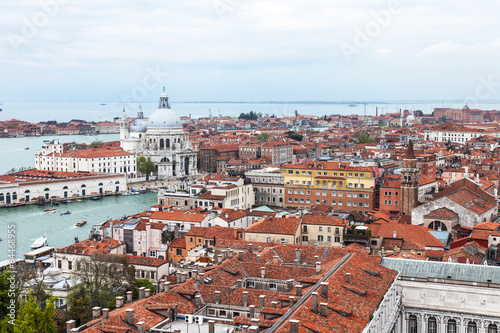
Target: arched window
(412,324)
(100,184)
(409,178)
(117,182)
(65,188)
(472,327)
(432,325)
(492,328)
(324,184)
(167,143)
(14,196)
(83,185)
(46,190)
(451,327)
(162,143)
(436,225)
(2,198)
(27,191)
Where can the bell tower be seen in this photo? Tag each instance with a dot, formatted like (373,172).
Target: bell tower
(124,126)
(409,181)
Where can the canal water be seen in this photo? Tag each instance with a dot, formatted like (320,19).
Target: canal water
(60,230)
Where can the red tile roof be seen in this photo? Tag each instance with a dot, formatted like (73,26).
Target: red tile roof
(275,225)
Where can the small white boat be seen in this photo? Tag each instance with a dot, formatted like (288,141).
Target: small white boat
(49,211)
(126,193)
(39,243)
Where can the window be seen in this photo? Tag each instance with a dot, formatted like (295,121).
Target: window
(273,286)
(222,313)
(334,202)
(492,328)
(268,239)
(289,199)
(250,284)
(320,238)
(337,239)
(305,228)
(432,325)
(349,195)
(211,312)
(320,228)
(317,202)
(317,192)
(305,238)
(190,239)
(290,191)
(472,327)
(59,264)
(329,229)
(451,327)
(178,252)
(329,238)
(348,203)
(334,194)
(340,203)
(412,324)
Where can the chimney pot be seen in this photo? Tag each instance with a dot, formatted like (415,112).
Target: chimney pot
(70,324)
(318,267)
(274,304)
(194,274)
(240,256)
(142,292)
(262,272)
(119,301)
(217,297)
(178,277)
(294,326)
(245,298)
(129,297)
(324,309)
(394,234)
(198,301)
(140,327)
(292,300)
(211,326)
(129,316)
(252,311)
(160,285)
(105,313)
(298,290)
(262,300)
(96,312)
(259,258)
(315,302)
(348,278)
(298,254)
(147,293)
(202,278)
(250,247)
(166,286)
(230,253)
(324,289)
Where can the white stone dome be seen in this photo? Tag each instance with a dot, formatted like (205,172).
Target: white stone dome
(139,125)
(410,118)
(52,274)
(165,118)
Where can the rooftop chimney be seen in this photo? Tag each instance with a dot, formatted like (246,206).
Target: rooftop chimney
(230,253)
(96,312)
(318,267)
(324,289)
(315,302)
(259,258)
(240,256)
(294,326)
(348,278)
(70,324)
(296,262)
(245,298)
(142,292)
(292,300)
(252,311)
(262,272)
(129,316)
(140,327)
(394,234)
(259,248)
(274,304)
(298,290)
(129,297)
(323,309)
(250,247)
(304,267)
(194,274)
(119,301)
(166,286)
(160,285)
(202,278)
(219,259)
(105,313)
(262,300)
(211,326)
(198,301)
(297,254)
(147,293)
(289,284)
(183,277)
(178,277)
(217,297)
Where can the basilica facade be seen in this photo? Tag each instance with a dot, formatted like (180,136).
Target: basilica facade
(161,140)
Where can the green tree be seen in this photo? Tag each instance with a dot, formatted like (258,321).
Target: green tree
(250,115)
(95,144)
(443,119)
(101,279)
(294,135)
(419,113)
(32,319)
(78,308)
(264,137)
(365,138)
(144,166)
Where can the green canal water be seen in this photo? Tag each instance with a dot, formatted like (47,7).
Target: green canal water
(30,223)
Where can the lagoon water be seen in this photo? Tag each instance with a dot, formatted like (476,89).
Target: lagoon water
(60,230)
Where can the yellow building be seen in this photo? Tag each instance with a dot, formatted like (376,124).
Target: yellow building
(337,184)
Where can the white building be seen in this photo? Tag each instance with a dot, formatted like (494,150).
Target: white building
(268,184)
(35,186)
(457,133)
(104,160)
(161,140)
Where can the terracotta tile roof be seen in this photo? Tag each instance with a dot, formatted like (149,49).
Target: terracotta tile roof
(218,232)
(89,247)
(145,261)
(154,225)
(487,226)
(275,225)
(178,216)
(415,237)
(178,243)
(323,220)
(443,213)
(197,231)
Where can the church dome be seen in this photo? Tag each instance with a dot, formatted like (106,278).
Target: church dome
(164,117)
(52,274)
(139,125)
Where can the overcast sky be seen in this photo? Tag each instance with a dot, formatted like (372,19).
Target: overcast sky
(249,50)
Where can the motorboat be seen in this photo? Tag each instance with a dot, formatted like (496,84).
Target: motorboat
(39,243)
(65,213)
(81,223)
(49,211)
(95,198)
